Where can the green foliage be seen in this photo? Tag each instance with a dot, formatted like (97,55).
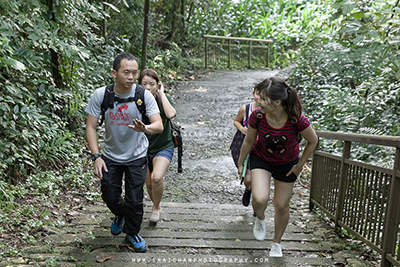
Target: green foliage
(125,27)
(6,195)
(41,113)
(370,24)
(286,23)
(167,63)
(26,208)
(349,78)
(8,251)
(39,120)
(163,54)
(51,262)
(346,56)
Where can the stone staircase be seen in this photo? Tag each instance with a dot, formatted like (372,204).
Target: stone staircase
(189,234)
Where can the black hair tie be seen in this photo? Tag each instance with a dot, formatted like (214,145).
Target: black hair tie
(288,89)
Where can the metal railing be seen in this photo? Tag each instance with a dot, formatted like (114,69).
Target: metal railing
(362,198)
(235,52)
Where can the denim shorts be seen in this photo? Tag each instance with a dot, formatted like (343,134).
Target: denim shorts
(278,171)
(165,153)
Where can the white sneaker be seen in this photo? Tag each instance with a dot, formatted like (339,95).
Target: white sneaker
(155,216)
(276,250)
(259,230)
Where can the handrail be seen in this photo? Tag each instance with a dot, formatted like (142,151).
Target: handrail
(383,140)
(237,38)
(360,197)
(230,45)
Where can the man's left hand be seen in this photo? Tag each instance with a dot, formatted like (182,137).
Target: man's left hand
(138,126)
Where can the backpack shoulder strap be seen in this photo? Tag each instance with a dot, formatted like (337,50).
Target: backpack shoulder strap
(259,115)
(108,101)
(140,104)
(299,137)
(159,103)
(247,114)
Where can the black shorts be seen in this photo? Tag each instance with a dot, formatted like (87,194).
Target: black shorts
(278,171)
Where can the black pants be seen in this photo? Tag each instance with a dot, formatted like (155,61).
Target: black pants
(111,187)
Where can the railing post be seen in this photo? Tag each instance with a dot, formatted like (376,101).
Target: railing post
(205,52)
(313,178)
(342,183)
(268,55)
(249,54)
(392,216)
(214,57)
(229,53)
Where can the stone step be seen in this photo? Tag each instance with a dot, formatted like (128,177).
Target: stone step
(122,259)
(212,226)
(227,235)
(192,234)
(204,243)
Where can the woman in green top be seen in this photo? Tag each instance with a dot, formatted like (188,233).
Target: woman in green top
(161,147)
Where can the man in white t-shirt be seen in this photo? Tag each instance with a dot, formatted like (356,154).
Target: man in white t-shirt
(125,149)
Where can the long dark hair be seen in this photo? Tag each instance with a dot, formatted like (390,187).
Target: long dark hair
(276,89)
(148,72)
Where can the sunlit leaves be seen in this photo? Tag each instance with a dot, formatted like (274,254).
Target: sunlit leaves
(13,63)
(113,7)
(348,6)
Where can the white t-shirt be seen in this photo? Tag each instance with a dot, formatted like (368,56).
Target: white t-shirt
(122,144)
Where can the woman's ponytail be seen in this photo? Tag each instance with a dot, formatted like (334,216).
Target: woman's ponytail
(294,107)
(276,89)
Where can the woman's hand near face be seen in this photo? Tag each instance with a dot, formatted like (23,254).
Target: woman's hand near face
(160,87)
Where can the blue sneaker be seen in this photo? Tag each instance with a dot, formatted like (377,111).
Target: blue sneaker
(137,241)
(117,225)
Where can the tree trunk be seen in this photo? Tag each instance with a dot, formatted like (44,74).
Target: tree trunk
(182,21)
(54,56)
(171,35)
(104,26)
(145,31)
(191,7)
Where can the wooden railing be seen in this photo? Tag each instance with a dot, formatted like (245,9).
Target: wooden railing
(362,198)
(235,51)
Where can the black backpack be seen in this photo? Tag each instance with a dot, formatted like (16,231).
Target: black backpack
(110,98)
(176,134)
